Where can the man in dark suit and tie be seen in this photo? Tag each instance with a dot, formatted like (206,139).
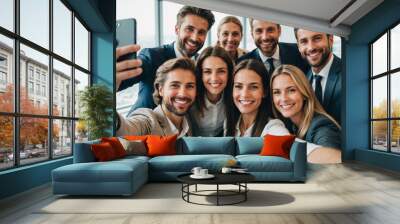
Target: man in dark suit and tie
(325,74)
(269,50)
(191,31)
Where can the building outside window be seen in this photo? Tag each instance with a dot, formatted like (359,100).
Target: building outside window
(385,94)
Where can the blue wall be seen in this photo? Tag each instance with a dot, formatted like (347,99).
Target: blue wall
(99,16)
(356,122)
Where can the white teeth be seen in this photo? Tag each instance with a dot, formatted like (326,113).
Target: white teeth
(287,106)
(245,102)
(215,85)
(181,101)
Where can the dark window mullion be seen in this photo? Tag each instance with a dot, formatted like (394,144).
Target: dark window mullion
(50,87)
(73,81)
(16,82)
(371,94)
(389,102)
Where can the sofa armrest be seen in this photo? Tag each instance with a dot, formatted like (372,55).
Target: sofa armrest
(298,155)
(83,152)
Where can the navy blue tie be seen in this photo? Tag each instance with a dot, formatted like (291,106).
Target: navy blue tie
(271,69)
(318,87)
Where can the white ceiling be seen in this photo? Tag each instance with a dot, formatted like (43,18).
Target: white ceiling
(319,15)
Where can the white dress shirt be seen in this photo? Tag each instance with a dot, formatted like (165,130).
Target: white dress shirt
(324,73)
(212,123)
(275,57)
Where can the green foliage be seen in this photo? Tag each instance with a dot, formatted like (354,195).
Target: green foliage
(96,103)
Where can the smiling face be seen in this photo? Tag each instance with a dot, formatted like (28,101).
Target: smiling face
(287,98)
(248,92)
(214,76)
(179,91)
(191,34)
(315,47)
(266,36)
(229,36)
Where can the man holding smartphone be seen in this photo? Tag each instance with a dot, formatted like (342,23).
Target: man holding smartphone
(191,31)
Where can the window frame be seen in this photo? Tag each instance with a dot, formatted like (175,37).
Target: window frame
(389,73)
(16,114)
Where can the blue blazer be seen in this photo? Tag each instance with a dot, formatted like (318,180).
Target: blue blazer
(322,131)
(288,52)
(151,58)
(333,89)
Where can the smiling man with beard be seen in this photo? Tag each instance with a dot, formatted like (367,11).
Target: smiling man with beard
(191,31)
(269,50)
(174,94)
(325,73)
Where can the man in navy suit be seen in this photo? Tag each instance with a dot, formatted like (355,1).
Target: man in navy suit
(191,31)
(269,50)
(325,74)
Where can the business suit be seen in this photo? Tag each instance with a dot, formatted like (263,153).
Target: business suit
(152,58)
(322,131)
(288,53)
(332,93)
(145,121)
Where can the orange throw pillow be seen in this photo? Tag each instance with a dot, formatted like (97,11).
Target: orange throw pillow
(103,151)
(161,145)
(116,145)
(277,145)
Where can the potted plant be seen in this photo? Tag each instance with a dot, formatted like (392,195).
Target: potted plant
(96,105)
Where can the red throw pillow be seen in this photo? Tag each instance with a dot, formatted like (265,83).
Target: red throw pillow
(277,145)
(135,137)
(116,145)
(161,145)
(103,151)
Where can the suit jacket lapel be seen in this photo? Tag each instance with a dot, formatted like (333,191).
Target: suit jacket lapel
(332,80)
(169,51)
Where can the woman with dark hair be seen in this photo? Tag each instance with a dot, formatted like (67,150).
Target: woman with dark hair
(214,69)
(252,115)
(295,100)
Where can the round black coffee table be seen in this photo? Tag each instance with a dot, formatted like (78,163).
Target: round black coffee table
(238,179)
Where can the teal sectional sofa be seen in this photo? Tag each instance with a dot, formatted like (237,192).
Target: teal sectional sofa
(125,176)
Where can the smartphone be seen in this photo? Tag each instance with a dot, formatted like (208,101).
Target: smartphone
(126,35)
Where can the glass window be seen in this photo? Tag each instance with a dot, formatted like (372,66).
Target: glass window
(6,73)
(145,16)
(379,97)
(7,14)
(81,45)
(62,138)
(81,131)
(169,11)
(385,125)
(62,29)
(63,72)
(81,81)
(395,47)
(34,144)
(6,142)
(379,56)
(35,21)
(249,39)
(40,62)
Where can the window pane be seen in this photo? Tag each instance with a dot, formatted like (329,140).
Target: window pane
(62,29)
(395,95)
(169,11)
(145,16)
(81,131)
(62,89)
(379,135)
(6,142)
(395,136)
(379,55)
(7,14)
(249,39)
(34,72)
(62,141)
(35,21)
(81,45)
(379,97)
(6,74)
(33,139)
(395,47)
(81,81)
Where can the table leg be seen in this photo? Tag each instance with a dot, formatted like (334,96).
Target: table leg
(217,194)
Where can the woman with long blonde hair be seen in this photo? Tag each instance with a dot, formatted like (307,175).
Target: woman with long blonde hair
(295,101)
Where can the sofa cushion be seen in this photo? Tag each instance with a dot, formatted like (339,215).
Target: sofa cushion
(161,145)
(103,152)
(206,145)
(134,147)
(257,163)
(185,163)
(277,145)
(249,145)
(116,145)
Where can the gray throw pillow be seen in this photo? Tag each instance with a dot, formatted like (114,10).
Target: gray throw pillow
(135,147)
